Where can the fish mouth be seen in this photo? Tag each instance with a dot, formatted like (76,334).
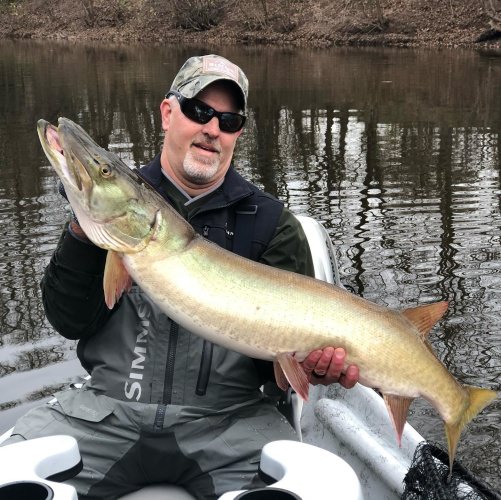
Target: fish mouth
(52,137)
(53,144)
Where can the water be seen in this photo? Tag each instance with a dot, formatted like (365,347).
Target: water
(397,152)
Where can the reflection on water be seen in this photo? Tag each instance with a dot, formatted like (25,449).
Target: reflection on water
(396,152)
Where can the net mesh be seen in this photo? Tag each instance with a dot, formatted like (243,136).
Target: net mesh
(427,478)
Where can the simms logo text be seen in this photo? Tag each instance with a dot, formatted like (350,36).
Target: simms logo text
(132,387)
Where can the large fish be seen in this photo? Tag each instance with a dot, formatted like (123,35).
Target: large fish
(245,306)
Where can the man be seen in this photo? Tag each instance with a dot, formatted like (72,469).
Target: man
(164,405)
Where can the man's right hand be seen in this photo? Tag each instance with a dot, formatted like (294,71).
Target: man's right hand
(326,366)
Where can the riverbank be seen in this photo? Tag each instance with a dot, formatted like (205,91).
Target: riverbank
(315,23)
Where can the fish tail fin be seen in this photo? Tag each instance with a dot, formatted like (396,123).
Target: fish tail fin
(478,399)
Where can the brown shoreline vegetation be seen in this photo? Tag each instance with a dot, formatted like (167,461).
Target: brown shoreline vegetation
(313,23)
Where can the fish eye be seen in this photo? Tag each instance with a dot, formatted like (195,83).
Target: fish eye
(105,170)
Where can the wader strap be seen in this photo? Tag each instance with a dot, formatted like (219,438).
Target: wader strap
(245,220)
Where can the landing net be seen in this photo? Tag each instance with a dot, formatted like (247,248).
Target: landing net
(427,478)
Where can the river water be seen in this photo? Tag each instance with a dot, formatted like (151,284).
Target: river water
(397,152)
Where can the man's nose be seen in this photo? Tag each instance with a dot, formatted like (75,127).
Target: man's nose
(212,127)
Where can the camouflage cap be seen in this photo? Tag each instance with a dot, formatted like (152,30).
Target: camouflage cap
(200,71)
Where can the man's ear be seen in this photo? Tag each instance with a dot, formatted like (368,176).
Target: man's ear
(165,111)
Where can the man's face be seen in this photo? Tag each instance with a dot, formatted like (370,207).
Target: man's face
(197,155)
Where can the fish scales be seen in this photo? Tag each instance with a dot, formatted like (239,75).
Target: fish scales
(276,311)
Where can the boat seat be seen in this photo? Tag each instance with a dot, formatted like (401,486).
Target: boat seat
(299,471)
(32,470)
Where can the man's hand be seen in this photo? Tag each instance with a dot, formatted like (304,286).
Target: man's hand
(326,367)
(77,231)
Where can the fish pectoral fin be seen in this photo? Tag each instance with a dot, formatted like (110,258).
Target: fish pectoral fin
(398,407)
(116,279)
(280,378)
(478,399)
(288,369)
(425,317)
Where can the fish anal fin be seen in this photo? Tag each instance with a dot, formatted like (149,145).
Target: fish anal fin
(478,399)
(116,279)
(398,408)
(293,373)
(425,317)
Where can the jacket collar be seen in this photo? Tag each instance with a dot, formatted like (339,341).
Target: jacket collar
(233,189)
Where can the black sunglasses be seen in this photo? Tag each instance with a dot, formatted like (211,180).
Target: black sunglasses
(202,113)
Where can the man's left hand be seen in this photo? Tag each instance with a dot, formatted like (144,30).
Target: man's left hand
(326,366)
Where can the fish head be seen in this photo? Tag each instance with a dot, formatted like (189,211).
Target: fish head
(107,197)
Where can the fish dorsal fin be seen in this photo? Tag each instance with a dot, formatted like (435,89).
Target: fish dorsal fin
(424,317)
(116,279)
(398,407)
(288,369)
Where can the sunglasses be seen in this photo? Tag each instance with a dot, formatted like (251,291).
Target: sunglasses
(202,113)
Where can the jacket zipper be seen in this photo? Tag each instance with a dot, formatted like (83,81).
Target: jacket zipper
(171,359)
(208,347)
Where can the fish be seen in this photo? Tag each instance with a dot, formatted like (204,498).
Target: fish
(245,306)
